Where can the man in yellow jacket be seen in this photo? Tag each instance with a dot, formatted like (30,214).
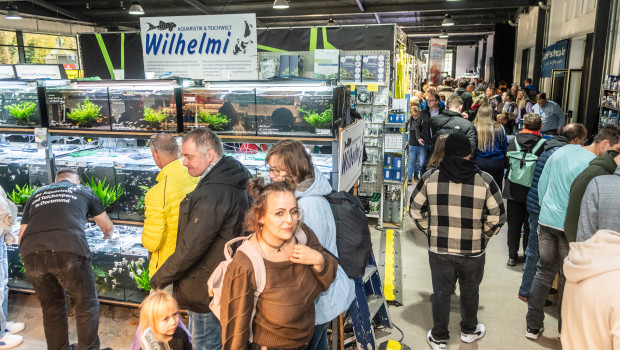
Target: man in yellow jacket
(159,234)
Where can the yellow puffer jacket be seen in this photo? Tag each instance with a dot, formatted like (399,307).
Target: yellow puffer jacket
(159,235)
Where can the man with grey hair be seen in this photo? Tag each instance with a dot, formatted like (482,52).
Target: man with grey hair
(209,217)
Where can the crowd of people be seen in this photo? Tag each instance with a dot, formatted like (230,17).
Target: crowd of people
(560,207)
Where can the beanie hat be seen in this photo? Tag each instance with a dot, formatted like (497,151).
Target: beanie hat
(458,145)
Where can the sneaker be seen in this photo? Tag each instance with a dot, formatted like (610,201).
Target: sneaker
(512,262)
(436,344)
(524,299)
(10,340)
(14,327)
(533,333)
(477,334)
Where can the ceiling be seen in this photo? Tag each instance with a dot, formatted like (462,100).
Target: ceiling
(420,19)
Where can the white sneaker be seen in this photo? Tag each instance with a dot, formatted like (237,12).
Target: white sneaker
(15,327)
(436,344)
(534,333)
(10,340)
(477,334)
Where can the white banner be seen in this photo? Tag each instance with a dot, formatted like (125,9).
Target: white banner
(351,145)
(437,49)
(214,48)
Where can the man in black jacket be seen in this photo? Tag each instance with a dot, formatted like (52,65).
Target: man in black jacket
(209,216)
(465,96)
(451,120)
(420,134)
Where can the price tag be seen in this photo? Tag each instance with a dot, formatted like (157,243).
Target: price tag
(372,87)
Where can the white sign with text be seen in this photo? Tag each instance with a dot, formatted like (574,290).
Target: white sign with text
(351,145)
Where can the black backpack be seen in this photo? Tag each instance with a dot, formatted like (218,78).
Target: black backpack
(352,232)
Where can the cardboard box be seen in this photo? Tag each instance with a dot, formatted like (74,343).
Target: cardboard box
(373,68)
(351,68)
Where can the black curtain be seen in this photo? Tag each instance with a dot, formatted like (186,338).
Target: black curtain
(92,56)
(504,53)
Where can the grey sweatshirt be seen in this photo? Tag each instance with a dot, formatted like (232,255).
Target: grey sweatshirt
(599,207)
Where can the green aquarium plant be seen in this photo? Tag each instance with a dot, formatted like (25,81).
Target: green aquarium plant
(103,280)
(140,208)
(86,114)
(22,111)
(108,194)
(215,121)
(140,275)
(20,195)
(154,119)
(321,120)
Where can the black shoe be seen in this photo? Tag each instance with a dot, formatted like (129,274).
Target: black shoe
(512,262)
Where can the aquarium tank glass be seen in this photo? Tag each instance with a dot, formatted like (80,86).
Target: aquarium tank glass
(77,105)
(19,104)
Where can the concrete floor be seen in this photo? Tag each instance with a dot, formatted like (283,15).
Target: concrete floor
(500,310)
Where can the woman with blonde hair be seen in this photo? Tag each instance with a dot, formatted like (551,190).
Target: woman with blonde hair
(524,106)
(492,144)
(159,323)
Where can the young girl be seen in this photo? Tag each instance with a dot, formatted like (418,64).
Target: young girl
(159,312)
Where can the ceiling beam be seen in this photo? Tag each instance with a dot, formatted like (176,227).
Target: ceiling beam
(198,5)
(71,14)
(359,4)
(377,18)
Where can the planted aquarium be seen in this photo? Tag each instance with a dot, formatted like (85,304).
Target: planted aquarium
(22,166)
(19,104)
(77,105)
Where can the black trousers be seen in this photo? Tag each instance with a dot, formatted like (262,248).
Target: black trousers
(517,218)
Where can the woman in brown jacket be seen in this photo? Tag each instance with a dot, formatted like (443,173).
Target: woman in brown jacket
(295,275)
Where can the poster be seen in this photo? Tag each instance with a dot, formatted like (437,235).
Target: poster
(351,144)
(326,64)
(214,48)
(554,57)
(437,48)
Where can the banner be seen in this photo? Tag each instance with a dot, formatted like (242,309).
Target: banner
(351,145)
(554,57)
(214,48)
(437,48)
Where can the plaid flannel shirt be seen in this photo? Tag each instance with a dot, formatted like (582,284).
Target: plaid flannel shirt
(458,218)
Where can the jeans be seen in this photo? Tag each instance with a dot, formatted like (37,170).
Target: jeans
(53,274)
(206,331)
(444,271)
(495,168)
(553,248)
(4,280)
(417,160)
(319,339)
(531,258)
(517,217)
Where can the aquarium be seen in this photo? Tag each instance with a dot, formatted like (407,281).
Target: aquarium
(22,167)
(19,104)
(77,105)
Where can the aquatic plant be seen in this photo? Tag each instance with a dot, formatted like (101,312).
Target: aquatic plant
(215,121)
(103,280)
(22,111)
(108,194)
(140,208)
(140,275)
(85,114)
(321,120)
(20,195)
(154,119)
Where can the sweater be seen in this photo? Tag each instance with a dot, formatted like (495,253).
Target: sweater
(532,196)
(159,234)
(458,217)
(498,150)
(285,309)
(603,165)
(527,140)
(599,207)
(554,185)
(591,300)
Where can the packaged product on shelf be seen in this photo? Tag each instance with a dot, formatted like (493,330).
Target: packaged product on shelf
(373,68)
(351,68)
(326,64)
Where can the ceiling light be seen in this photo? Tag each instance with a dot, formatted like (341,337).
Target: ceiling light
(11,12)
(280,4)
(443,35)
(447,21)
(330,22)
(136,9)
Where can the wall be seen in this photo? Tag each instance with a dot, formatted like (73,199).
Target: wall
(488,67)
(615,67)
(526,38)
(465,57)
(47,26)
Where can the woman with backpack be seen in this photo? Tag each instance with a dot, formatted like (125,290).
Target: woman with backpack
(289,160)
(492,144)
(296,270)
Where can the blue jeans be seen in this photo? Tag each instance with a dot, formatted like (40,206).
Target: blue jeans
(417,160)
(206,331)
(553,248)
(445,269)
(51,274)
(319,339)
(4,280)
(531,258)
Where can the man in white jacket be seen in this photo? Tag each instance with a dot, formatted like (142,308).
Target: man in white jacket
(591,307)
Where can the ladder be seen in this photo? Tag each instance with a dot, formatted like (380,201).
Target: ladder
(369,305)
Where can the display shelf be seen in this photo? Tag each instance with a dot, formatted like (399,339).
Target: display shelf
(392,182)
(393,150)
(373,215)
(612,108)
(612,90)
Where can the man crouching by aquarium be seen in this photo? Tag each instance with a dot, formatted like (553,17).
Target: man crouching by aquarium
(53,246)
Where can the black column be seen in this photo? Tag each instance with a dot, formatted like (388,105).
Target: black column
(476,59)
(540,32)
(20,46)
(484,58)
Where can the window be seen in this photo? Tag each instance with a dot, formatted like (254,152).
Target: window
(8,48)
(447,62)
(50,49)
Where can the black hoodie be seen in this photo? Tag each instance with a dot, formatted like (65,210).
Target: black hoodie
(449,122)
(458,169)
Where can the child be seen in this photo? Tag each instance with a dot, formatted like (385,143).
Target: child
(159,317)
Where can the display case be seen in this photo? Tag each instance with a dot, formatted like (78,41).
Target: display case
(145,105)
(19,104)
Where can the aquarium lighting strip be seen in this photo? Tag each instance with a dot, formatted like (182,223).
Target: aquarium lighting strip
(134,84)
(228,85)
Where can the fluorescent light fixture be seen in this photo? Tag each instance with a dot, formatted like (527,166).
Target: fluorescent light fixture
(136,9)
(443,35)
(447,21)
(11,12)
(280,4)
(273,84)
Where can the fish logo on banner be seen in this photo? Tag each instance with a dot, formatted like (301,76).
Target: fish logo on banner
(162,26)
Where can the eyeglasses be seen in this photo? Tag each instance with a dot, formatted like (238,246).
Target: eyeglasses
(431,100)
(274,170)
(294,214)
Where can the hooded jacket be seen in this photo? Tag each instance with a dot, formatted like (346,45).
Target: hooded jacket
(532,196)
(317,214)
(599,207)
(527,141)
(591,301)
(209,217)
(423,126)
(466,97)
(603,165)
(449,122)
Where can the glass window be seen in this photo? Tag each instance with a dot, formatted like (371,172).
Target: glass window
(50,56)
(8,48)
(51,41)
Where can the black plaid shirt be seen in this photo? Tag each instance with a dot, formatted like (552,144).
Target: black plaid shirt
(459,218)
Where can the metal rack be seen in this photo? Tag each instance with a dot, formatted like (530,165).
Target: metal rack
(394,144)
